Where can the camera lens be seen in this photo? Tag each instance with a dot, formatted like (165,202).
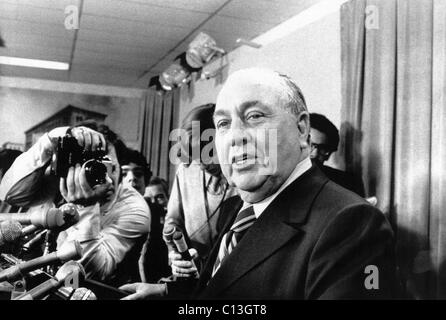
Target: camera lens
(95,172)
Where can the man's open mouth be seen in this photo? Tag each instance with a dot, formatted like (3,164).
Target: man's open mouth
(243,159)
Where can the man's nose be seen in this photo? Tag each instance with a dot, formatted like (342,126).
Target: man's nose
(239,135)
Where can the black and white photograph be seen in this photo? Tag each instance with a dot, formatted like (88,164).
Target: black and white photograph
(216,151)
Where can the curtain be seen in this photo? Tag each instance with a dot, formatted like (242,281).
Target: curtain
(393,132)
(160,118)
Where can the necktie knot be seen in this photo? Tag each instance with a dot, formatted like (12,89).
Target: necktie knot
(244,219)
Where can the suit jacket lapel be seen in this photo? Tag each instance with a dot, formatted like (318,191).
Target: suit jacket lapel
(229,211)
(278,224)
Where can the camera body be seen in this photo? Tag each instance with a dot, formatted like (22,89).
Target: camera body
(70,153)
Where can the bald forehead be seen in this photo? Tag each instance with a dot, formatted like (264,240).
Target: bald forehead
(266,84)
(255,77)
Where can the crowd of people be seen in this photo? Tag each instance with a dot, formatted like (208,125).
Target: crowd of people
(258,224)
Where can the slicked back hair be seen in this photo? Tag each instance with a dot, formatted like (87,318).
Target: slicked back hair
(296,98)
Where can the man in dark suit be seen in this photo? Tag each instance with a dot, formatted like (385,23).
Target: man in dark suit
(324,141)
(294,234)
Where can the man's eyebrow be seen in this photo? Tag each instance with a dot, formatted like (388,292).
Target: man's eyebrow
(219,113)
(249,104)
(242,108)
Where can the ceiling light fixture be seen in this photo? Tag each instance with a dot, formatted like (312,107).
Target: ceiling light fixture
(201,50)
(34,63)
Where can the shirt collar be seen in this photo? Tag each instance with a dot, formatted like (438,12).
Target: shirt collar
(260,206)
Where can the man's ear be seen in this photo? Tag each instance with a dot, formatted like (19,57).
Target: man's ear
(303,125)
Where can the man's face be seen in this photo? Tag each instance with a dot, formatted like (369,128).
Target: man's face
(320,151)
(250,110)
(156,194)
(133,175)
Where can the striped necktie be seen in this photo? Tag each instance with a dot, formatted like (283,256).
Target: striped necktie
(243,221)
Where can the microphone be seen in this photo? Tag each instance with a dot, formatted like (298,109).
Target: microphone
(168,232)
(38,238)
(69,269)
(54,218)
(68,251)
(10,231)
(181,245)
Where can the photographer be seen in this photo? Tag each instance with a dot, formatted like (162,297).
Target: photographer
(113,217)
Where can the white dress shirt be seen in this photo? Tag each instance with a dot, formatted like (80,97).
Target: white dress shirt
(260,206)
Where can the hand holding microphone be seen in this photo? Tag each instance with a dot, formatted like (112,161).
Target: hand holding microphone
(181,258)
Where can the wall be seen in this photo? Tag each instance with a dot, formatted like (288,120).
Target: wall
(23,105)
(311,55)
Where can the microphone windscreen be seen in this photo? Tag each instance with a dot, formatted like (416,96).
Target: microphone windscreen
(70,214)
(168,233)
(10,231)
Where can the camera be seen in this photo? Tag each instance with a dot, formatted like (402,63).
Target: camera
(69,153)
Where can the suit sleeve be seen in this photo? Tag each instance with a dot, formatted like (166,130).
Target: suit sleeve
(353,257)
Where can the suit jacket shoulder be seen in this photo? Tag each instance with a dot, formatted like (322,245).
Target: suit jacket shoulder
(347,180)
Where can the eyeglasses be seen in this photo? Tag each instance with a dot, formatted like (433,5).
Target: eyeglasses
(322,148)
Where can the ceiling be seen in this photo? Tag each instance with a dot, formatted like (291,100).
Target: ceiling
(126,42)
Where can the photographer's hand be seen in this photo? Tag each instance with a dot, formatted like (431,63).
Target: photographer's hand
(76,189)
(86,137)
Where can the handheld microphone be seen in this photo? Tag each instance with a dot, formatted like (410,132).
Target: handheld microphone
(168,232)
(69,269)
(54,218)
(181,245)
(69,251)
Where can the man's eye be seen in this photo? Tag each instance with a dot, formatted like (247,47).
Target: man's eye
(221,124)
(254,116)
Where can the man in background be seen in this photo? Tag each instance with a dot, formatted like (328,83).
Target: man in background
(324,141)
(152,259)
(157,191)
